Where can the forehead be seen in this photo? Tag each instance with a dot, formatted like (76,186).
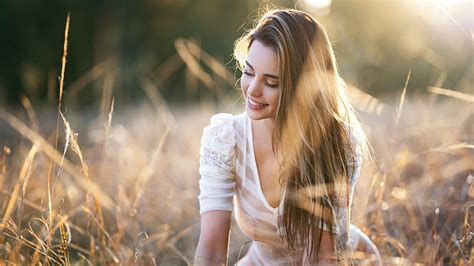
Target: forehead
(263,58)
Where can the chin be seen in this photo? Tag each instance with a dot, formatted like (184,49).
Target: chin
(256,115)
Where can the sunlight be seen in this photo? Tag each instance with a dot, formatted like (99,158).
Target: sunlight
(318,3)
(444,2)
(456,11)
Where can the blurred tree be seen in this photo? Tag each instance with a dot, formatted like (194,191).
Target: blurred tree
(376,44)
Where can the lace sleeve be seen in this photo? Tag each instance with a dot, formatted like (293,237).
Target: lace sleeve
(217,162)
(354,172)
(356,162)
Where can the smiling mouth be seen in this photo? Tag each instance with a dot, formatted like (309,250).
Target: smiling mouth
(256,104)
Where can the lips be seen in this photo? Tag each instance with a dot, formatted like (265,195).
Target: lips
(255,106)
(255,103)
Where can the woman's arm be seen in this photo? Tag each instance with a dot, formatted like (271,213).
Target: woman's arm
(327,253)
(214,238)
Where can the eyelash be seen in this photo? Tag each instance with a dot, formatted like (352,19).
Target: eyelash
(266,83)
(248,73)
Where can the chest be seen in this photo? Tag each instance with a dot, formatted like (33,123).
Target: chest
(268,170)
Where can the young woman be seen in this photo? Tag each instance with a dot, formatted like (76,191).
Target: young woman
(287,165)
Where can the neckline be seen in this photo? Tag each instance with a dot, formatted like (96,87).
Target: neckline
(255,168)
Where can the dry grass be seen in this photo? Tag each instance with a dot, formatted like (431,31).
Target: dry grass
(133,199)
(123,190)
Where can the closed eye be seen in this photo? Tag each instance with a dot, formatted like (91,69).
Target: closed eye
(272,85)
(247,73)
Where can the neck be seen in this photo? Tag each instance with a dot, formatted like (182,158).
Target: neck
(265,128)
(266,125)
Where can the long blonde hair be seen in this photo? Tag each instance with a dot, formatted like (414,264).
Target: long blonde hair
(314,127)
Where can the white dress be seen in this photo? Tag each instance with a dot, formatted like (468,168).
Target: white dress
(230,182)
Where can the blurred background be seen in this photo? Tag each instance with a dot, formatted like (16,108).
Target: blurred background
(113,177)
(376,43)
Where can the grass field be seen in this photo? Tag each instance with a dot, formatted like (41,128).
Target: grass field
(123,188)
(118,185)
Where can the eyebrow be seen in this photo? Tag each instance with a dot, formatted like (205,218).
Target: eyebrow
(266,75)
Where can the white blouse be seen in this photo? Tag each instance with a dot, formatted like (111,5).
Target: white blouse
(229,181)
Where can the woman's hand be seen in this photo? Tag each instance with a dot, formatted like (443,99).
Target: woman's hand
(214,238)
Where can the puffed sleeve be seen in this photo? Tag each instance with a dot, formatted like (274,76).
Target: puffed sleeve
(217,164)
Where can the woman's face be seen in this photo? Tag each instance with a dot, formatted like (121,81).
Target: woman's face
(260,82)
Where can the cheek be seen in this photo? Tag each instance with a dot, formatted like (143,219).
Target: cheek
(274,97)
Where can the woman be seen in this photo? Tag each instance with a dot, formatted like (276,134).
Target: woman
(287,166)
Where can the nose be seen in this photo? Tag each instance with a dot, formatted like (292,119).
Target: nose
(255,88)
